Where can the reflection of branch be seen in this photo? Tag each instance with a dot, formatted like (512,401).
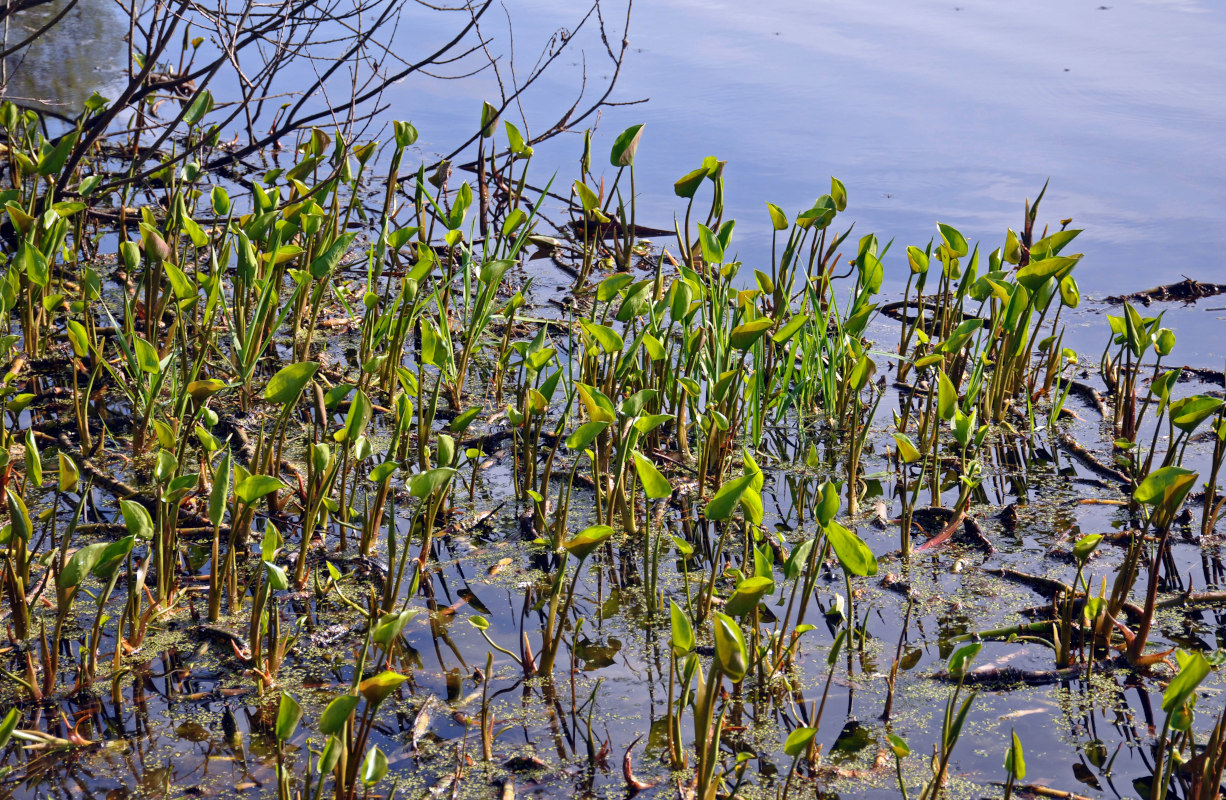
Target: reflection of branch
(46,27)
(17,6)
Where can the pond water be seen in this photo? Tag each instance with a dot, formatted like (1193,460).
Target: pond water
(930,110)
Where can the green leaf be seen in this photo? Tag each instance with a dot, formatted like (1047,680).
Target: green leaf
(80,564)
(220,492)
(1085,546)
(1164,489)
(947,397)
(962,658)
(360,412)
(1134,330)
(836,646)
(288,383)
(383,471)
(253,487)
(647,424)
(712,249)
(1052,245)
(8,726)
(1015,759)
(270,542)
(789,330)
(337,713)
(146,356)
(427,483)
(838,193)
(829,505)
(585,434)
(390,626)
(655,485)
(798,559)
(587,198)
(462,421)
(377,688)
(609,340)
(1188,413)
(288,715)
(898,745)
(330,259)
(50,162)
(608,288)
(683,632)
(34,461)
(1193,668)
(961,334)
(202,390)
(136,518)
(1036,273)
(748,594)
(582,544)
(165,465)
(515,139)
(955,240)
(687,185)
(78,337)
(779,220)
(724,502)
(489,120)
(751,501)
(798,741)
(743,336)
(624,148)
(1070,295)
(201,105)
(906,448)
(636,301)
(276,576)
(112,557)
(853,554)
(731,654)
(374,767)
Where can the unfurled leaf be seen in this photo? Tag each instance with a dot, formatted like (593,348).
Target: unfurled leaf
(288,383)
(288,714)
(377,688)
(798,741)
(655,485)
(853,554)
(337,713)
(582,544)
(136,518)
(730,651)
(253,487)
(683,632)
(625,146)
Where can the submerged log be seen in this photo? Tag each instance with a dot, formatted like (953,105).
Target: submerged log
(1186,291)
